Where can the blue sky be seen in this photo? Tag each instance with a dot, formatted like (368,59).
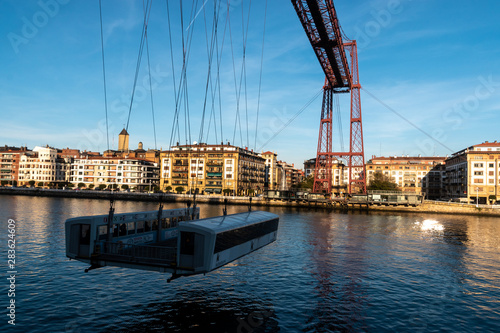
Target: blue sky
(435,64)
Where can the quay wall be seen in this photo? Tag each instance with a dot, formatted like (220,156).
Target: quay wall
(427,206)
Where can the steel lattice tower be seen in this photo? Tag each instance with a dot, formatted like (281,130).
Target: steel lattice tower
(319,20)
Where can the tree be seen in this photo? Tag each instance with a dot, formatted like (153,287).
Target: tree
(251,191)
(4,182)
(125,187)
(71,185)
(307,182)
(381,182)
(179,189)
(168,188)
(102,186)
(492,198)
(80,185)
(91,186)
(226,191)
(113,186)
(32,183)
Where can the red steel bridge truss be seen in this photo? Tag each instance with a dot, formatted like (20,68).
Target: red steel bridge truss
(319,20)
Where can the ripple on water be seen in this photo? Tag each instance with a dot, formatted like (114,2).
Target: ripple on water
(327,272)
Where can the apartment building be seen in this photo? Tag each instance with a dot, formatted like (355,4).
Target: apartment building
(473,173)
(132,173)
(340,174)
(410,173)
(9,164)
(44,167)
(212,169)
(275,172)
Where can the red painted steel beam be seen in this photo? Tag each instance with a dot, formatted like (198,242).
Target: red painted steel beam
(319,20)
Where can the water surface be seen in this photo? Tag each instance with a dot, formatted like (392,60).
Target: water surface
(327,272)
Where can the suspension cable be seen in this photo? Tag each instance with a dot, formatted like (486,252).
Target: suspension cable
(147,13)
(260,78)
(104,76)
(150,83)
(285,125)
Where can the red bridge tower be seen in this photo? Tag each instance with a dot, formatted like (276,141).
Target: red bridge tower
(319,20)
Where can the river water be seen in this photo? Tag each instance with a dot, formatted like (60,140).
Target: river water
(327,272)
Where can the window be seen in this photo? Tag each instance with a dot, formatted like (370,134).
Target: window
(102,231)
(187,243)
(478,181)
(478,165)
(140,226)
(492,165)
(131,228)
(85,234)
(478,173)
(232,238)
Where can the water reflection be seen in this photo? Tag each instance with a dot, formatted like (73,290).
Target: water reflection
(430,225)
(199,311)
(338,269)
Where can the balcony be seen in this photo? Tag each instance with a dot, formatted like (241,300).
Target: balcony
(214,174)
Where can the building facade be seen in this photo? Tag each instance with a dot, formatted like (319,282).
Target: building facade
(473,174)
(275,172)
(212,169)
(340,175)
(121,173)
(9,164)
(411,174)
(43,167)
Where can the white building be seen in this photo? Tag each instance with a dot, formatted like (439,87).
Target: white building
(42,166)
(136,173)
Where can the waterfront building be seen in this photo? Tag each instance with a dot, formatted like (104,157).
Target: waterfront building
(9,164)
(121,173)
(309,167)
(212,169)
(293,176)
(43,167)
(123,151)
(340,174)
(410,173)
(275,178)
(472,174)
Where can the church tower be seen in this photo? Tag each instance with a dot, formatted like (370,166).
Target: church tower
(123,141)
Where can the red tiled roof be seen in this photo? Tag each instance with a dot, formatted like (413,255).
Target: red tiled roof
(488,144)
